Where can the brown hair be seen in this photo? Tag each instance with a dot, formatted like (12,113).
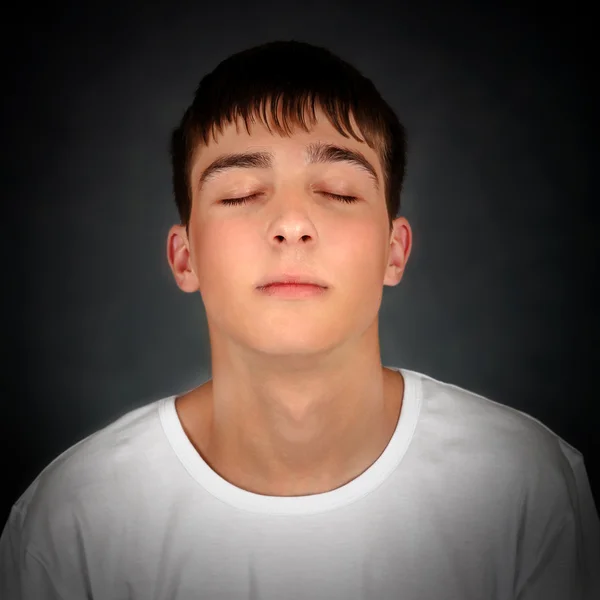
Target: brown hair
(289,77)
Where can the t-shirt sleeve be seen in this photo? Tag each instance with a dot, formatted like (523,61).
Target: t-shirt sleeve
(567,565)
(23,575)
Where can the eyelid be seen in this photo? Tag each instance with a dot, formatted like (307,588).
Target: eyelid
(347,199)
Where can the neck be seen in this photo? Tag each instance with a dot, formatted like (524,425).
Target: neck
(288,430)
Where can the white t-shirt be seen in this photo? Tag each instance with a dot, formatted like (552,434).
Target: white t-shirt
(471,499)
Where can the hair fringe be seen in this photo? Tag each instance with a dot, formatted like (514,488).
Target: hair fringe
(249,86)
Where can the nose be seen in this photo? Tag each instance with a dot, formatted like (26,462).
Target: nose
(303,238)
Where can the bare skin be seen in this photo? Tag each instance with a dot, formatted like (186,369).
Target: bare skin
(299,402)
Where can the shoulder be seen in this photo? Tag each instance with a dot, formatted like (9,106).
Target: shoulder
(490,437)
(507,465)
(87,476)
(487,420)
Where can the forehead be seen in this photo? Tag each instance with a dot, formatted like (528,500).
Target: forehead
(238,136)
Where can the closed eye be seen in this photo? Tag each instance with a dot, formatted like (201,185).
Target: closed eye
(244,199)
(347,199)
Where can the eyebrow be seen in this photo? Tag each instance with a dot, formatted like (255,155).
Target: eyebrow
(315,153)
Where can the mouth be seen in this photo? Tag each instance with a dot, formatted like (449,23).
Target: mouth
(292,290)
(291,284)
(296,280)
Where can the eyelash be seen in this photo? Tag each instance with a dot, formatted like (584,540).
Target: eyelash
(238,201)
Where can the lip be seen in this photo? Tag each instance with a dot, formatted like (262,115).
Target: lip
(293,290)
(292,280)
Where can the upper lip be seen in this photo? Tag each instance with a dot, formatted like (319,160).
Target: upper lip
(292,278)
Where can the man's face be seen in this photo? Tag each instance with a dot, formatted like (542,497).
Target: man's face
(291,225)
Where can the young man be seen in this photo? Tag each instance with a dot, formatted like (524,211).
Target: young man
(303,468)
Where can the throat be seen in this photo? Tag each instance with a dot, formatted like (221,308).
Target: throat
(263,465)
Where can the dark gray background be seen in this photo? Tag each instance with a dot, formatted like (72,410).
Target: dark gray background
(497,294)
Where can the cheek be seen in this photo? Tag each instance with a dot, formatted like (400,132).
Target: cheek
(224,254)
(230,255)
(360,254)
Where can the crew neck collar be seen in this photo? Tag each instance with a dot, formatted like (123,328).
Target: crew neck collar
(365,483)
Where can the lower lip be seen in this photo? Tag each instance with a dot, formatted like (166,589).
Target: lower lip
(293,290)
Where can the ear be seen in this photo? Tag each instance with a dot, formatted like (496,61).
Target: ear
(180,261)
(399,251)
